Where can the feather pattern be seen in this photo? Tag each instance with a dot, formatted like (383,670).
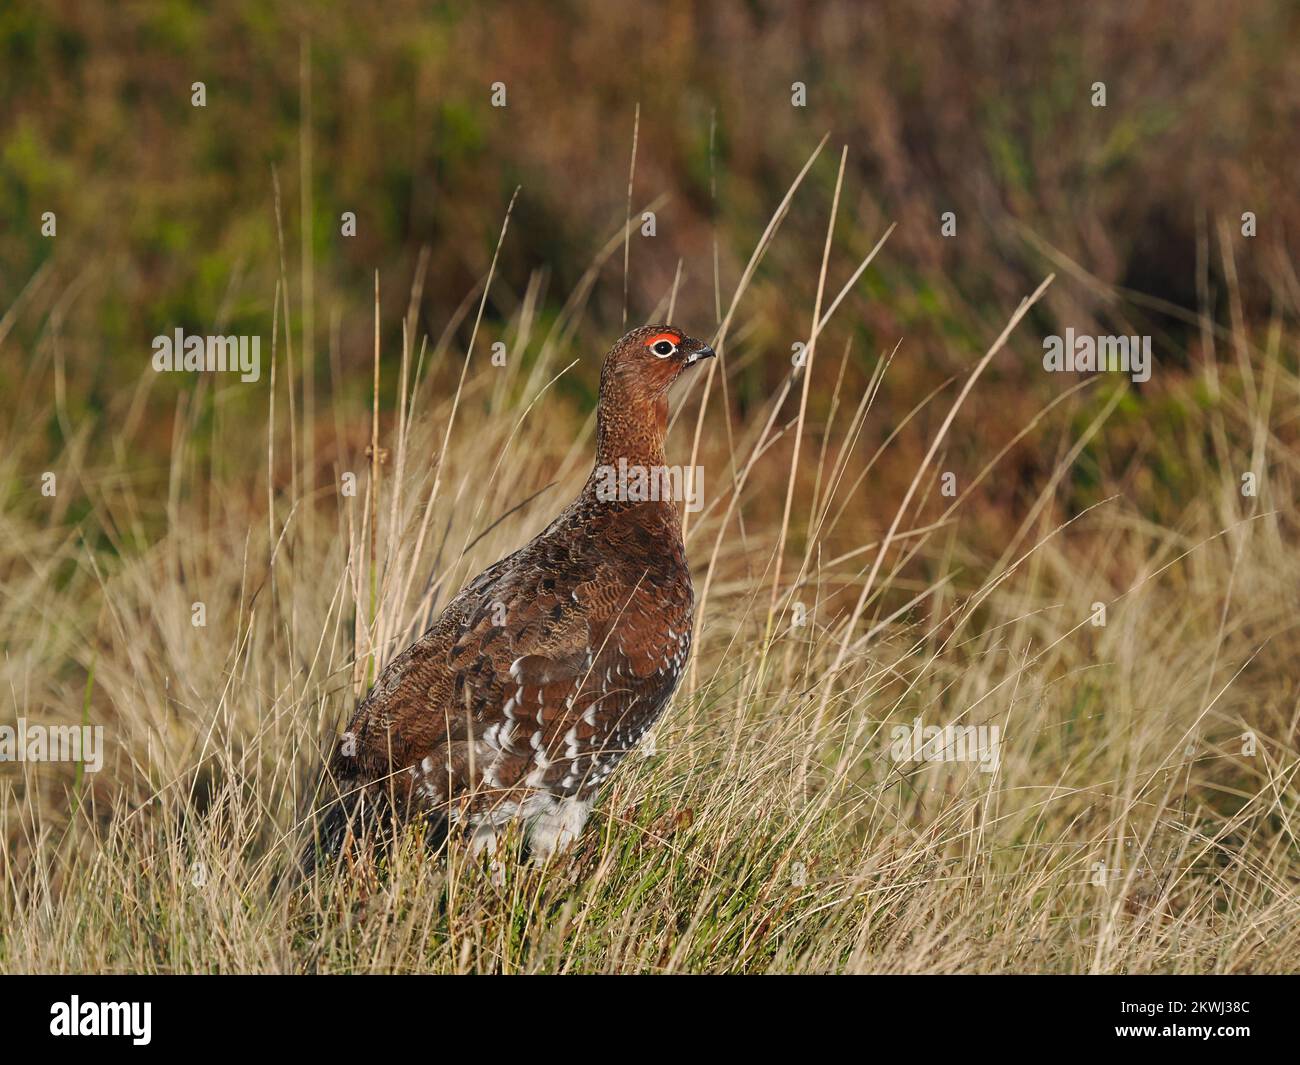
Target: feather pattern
(547,668)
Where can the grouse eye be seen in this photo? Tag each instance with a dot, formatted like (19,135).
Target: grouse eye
(664,348)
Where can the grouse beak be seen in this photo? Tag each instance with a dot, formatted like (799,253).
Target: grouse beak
(702,352)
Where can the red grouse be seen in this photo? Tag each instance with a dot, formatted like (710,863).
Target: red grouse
(549,666)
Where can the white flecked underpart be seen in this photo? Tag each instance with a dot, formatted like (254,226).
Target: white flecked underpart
(551,824)
(557,823)
(552,816)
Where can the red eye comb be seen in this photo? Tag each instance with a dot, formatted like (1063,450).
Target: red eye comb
(672,338)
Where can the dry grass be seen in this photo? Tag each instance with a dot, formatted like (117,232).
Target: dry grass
(766,827)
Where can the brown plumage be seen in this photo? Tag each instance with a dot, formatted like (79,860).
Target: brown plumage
(549,666)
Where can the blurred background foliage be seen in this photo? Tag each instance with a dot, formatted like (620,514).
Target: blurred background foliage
(167,212)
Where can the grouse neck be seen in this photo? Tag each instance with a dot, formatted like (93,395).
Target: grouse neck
(632,431)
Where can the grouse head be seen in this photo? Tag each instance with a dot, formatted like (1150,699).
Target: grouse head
(632,417)
(645,362)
